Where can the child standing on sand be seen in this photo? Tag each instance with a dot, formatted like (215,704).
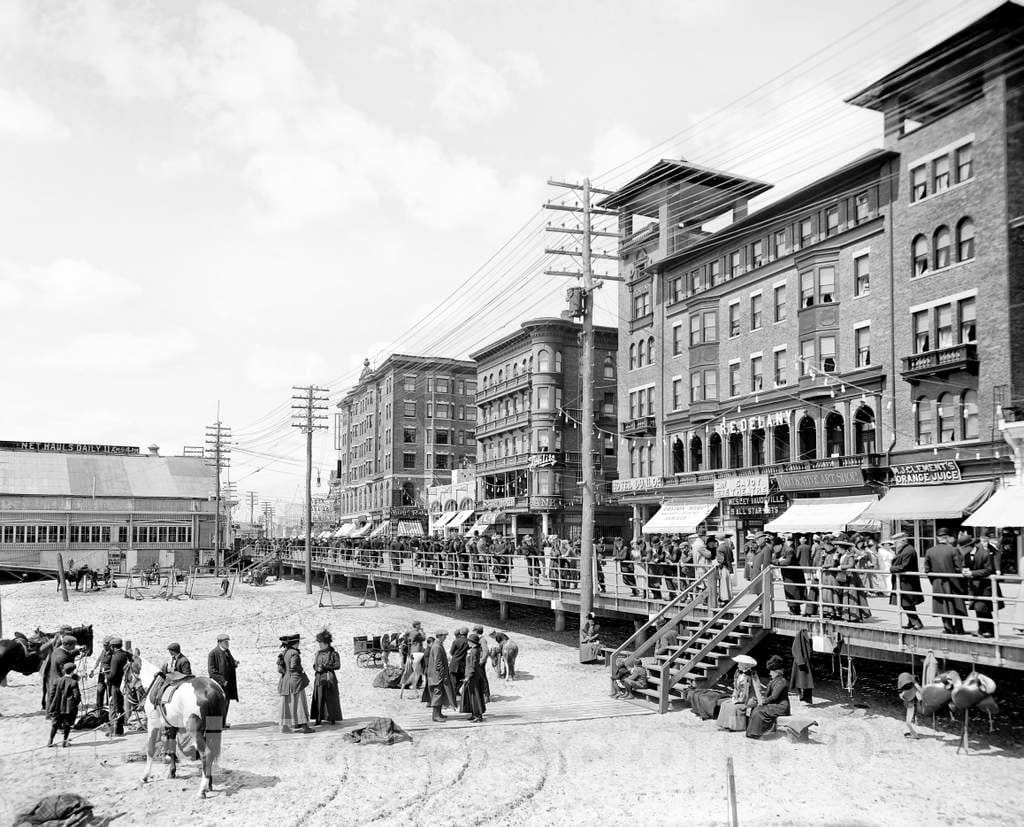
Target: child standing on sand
(910,694)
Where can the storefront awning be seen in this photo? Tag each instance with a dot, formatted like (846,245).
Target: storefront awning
(489,517)
(459,519)
(679,516)
(362,531)
(822,514)
(1004,509)
(345,530)
(410,528)
(381,529)
(930,502)
(444,519)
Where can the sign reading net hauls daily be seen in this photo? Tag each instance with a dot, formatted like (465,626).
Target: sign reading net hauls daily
(926,473)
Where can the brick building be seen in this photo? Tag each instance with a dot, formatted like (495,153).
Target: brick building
(860,337)
(529,465)
(403,428)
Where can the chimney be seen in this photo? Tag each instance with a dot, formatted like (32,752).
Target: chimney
(154,450)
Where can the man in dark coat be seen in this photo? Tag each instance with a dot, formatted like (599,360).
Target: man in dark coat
(439,678)
(904,575)
(458,655)
(62,654)
(119,660)
(102,667)
(221,664)
(978,567)
(947,600)
(800,677)
(177,662)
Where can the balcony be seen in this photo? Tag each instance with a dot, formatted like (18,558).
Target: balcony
(864,461)
(940,362)
(506,386)
(703,410)
(503,463)
(503,423)
(641,426)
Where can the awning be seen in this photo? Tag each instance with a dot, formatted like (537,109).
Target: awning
(822,514)
(460,518)
(345,530)
(930,502)
(679,516)
(489,517)
(444,519)
(410,528)
(1005,508)
(381,529)
(324,535)
(362,531)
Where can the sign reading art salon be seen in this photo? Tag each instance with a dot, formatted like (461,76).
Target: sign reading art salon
(926,473)
(752,486)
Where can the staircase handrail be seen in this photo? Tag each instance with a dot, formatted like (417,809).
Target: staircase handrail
(763,601)
(700,585)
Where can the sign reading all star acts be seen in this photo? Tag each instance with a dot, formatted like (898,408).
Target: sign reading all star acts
(926,473)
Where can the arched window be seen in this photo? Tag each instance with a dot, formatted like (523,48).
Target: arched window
(500,375)
(924,421)
(608,371)
(515,368)
(558,361)
(835,435)
(544,360)
(531,363)
(641,352)
(736,450)
(807,439)
(634,470)
(945,418)
(920,254)
(965,240)
(864,430)
(715,451)
(650,351)
(757,446)
(780,442)
(696,454)
(942,241)
(678,456)
(969,414)
(632,356)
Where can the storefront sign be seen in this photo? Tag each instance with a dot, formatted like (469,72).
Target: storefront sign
(825,478)
(926,473)
(752,423)
(69,448)
(543,460)
(498,504)
(637,484)
(742,486)
(545,503)
(757,506)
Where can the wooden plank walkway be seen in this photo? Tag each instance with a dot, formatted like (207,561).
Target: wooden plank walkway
(510,713)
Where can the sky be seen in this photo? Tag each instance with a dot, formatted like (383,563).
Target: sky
(205,203)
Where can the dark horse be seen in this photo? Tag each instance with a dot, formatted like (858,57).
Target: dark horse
(27,655)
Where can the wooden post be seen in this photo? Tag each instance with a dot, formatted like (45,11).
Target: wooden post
(503,610)
(60,577)
(730,780)
(559,620)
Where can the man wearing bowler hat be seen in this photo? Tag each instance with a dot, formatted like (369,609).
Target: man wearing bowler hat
(221,665)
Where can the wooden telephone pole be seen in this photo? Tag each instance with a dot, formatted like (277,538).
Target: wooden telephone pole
(218,455)
(310,414)
(582,304)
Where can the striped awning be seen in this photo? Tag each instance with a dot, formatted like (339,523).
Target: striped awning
(410,528)
(362,531)
(460,518)
(381,529)
(444,519)
(821,514)
(345,530)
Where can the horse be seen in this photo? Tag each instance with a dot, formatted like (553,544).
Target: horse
(198,706)
(21,655)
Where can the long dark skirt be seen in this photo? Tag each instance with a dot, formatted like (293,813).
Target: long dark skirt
(794,585)
(705,702)
(763,717)
(472,700)
(326,703)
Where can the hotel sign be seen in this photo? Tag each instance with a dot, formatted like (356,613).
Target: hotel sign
(752,486)
(543,460)
(69,448)
(823,478)
(926,473)
(635,484)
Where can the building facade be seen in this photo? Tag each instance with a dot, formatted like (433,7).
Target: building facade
(102,505)
(529,461)
(857,337)
(403,428)
(451,505)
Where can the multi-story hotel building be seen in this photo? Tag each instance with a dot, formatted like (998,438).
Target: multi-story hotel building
(403,428)
(860,337)
(529,465)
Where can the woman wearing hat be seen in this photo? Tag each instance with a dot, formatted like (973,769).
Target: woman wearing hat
(292,686)
(326,700)
(775,703)
(472,689)
(910,694)
(746,694)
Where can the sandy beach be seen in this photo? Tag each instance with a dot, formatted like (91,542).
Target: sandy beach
(553,748)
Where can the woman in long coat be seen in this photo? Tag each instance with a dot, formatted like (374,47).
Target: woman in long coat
(292,686)
(775,704)
(326,700)
(472,689)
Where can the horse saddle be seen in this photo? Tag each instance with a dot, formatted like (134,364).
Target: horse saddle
(161,694)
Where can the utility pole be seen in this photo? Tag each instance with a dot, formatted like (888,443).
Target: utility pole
(218,455)
(252,507)
(268,519)
(310,414)
(581,300)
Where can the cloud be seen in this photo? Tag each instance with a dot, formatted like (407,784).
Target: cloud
(121,351)
(615,146)
(175,167)
(525,66)
(63,282)
(24,118)
(280,368)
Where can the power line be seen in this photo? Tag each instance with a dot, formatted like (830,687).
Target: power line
(309,416)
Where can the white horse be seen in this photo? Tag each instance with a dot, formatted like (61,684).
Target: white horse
(198,707)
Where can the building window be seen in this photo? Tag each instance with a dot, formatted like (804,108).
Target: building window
(409,408)
(942,247)
(715,451)
(641,353)
(734,320)
(608,405)
(714,272)
(780,303)
(827,351)
(807,289)
(462,411)
(755,312)
(757,253)
(650,351)
(945,418)
(409,383)
(756,373)
(861,275)
(544,360)
(967,313)
(711,384)
(441,461)
(835,435)
(558,361)
(779,358)
(408,460)
(969,414)
(780,443)
(409,435)
(806,231)
(922,332)
(710,321)
(925,421)
(807,439)
(695,387)
(696,280)
(779,243)
(919,183)
(965,163)
(641,306)
(965,240)
(944,326)
(677,335)
(940,174)
(862,207)
(608,368)
(696,453)
(733,263)
(735,450)
(826,285)
(831,221)
(864,430)
(806,357)
(677,394)
(694,330)
(862,341)
(757,446)
(920,249)
(676,291)
(734,379)
(430,410)
(122,534)
(632,356)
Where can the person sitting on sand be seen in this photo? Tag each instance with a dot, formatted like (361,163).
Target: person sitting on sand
(630,676)
(775,703)
(746,694)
